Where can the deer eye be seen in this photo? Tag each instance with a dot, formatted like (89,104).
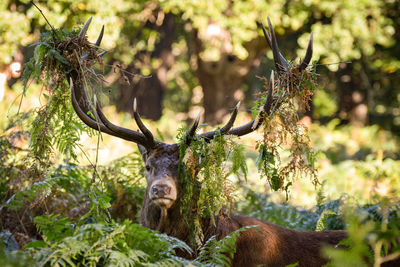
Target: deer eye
(148,168)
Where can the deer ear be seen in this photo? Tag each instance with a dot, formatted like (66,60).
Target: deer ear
(143,151)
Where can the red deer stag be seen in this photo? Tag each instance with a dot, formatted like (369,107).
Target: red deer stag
(269,245)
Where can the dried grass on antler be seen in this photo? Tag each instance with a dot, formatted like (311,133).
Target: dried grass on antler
(282,129)
(280,119)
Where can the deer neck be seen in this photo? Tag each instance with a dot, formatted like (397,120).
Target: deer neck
(167,221)
(171,222)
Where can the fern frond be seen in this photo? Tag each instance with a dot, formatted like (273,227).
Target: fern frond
(42,188)
(220,252)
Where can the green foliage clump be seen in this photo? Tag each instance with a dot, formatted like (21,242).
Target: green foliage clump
(119,244)
(55,125)
(373,240)
(281,127)
(220,252)
(90,244)
(203,170)
(83,243)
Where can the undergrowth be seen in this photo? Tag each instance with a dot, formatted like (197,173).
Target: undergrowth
(373,228)
(75,229)
(88,229)
(70,215)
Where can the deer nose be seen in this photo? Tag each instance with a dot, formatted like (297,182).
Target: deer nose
(161,190)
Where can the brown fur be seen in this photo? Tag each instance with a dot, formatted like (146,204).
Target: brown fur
(268,245)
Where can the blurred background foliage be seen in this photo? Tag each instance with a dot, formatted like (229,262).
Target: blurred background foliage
(202,55)
(182,57)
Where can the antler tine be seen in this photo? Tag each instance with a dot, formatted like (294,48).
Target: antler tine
(268,101)
(308,55)
(225,129)
(98,42)
(192,132)
(268,38)
(231,121)
(142,127)
(83,116)
(266,35)
(255,123)
(280,61)
(84,29)
(193,129)
(124,133)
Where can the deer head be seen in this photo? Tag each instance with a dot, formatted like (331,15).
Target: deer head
(161,159)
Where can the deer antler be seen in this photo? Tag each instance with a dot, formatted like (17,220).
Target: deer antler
(307,57)
(248,127)
(281,65)
(209,135)
(280,62)
(83,108)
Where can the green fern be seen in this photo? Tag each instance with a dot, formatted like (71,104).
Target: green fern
(322,221)
(42,189)
(220,252)
(203,170)
(56,126)
(113,244)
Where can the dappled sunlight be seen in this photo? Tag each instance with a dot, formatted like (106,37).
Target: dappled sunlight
(313,143)
(345,164)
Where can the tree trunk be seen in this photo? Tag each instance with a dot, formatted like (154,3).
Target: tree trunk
(222,80)
(352,102)
(149,91)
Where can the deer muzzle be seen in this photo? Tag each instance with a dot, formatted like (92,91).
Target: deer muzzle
(163,192)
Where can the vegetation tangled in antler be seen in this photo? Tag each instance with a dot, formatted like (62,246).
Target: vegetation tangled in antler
(56,55)
(281,124)
(203,165)
(283,129)
(53,128)
(204,170)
